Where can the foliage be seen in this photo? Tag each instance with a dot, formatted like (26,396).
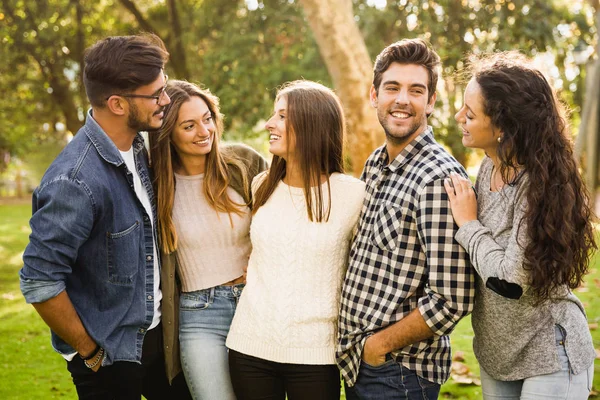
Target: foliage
(458,28)
(243,50)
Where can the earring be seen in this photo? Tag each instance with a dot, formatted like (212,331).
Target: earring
(499,139)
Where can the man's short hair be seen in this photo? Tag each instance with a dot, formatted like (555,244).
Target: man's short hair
(408,51)
(120,64)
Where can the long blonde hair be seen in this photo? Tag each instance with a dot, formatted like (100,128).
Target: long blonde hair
(165,160)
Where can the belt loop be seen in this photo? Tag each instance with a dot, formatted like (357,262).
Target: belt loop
(211,296)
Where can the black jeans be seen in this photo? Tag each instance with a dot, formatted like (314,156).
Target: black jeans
(254,378)
(125,380)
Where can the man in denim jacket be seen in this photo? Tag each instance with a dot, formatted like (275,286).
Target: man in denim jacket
(91,269)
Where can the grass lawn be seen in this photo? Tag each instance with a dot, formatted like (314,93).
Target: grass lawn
(30,369)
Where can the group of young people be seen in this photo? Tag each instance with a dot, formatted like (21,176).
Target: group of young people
(198,270)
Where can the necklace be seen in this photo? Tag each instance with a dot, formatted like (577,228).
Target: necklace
(496,181)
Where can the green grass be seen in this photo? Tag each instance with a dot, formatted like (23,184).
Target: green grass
(30,369)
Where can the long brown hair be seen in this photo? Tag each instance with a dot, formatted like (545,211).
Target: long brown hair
(316,119)
(165,160)
(535,138)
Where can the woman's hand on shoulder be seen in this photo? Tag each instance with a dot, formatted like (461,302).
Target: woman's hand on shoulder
(463,201)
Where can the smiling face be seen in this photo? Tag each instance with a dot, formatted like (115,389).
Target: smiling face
(281,142)
(477,128)
(146,114)
(194,131)
(402,102)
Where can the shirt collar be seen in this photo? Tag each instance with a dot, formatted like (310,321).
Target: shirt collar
(104,145)
(413,148)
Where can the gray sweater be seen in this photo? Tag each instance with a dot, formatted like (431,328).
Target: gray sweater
(513,339)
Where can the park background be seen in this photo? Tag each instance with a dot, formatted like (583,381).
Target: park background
(243,51)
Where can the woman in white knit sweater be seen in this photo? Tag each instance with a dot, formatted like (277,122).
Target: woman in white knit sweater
(203,192)
(283,336)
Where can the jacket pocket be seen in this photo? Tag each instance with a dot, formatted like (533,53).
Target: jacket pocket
(123,255)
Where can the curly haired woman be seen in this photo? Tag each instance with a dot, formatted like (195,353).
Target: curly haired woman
(527,227)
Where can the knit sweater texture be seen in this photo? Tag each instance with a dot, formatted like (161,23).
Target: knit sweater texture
(289,308)
(210,249)
(514,339)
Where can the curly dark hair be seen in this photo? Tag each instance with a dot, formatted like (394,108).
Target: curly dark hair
(522,104)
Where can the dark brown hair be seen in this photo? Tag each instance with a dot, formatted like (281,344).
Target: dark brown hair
(535,138)
(408,51)
(165,160)
(120,64)
(315,118)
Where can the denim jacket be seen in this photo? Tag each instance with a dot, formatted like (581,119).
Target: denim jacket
(92,237)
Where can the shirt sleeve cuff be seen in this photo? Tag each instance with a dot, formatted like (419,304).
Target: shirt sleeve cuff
(40,291)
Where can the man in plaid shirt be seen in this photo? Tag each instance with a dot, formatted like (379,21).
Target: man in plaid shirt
(409,282)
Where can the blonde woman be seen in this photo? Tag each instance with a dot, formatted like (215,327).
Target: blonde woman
(203,196)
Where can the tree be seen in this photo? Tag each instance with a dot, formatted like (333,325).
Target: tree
(345,53)
(588,143)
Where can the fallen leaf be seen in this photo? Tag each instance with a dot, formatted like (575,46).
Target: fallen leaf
(582,289)
(598,353)
(459,368)
(593,326)
(459,356)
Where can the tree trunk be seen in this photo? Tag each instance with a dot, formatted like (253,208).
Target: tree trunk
(344,51)
(587,144)
(80,49)
(52,72)
(176,42)
(177,61)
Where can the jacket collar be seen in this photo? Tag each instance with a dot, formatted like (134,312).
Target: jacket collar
(104,145)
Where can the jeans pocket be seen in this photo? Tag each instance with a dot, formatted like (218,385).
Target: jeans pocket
(198,300)
(377,367)
(563,359)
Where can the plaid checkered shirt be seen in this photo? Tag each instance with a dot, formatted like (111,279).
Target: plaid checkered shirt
(403,257)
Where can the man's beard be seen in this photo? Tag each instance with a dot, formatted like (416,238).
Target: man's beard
(402,137)
(136,123)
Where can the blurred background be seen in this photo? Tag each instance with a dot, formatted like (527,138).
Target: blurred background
(243,50)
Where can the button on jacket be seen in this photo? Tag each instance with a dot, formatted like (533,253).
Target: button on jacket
(92,237)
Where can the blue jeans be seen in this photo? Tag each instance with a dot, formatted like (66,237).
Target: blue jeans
(204,320)
(562,384)
(390,381)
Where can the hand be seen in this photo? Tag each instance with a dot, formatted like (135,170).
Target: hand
(94,357)
(370,354)
(97,367)
(462,199)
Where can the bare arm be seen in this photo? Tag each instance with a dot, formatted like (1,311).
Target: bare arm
(60,315)
(410,329)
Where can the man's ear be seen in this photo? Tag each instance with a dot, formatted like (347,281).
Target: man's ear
(373,97)
(430,105)
(117,105)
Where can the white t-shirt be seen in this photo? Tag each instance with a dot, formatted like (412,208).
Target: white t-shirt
(142,195)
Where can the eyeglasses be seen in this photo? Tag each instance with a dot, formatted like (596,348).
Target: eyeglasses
(160,95)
